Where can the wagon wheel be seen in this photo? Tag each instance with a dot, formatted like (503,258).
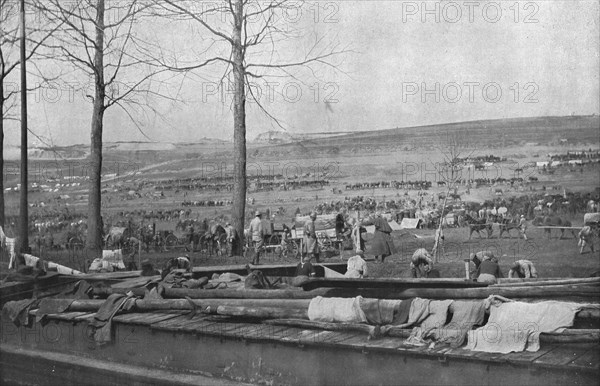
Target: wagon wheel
(170,242)
(291,251)
(75,243)
(326,243)
(222,245)
(274,240)
(127,248)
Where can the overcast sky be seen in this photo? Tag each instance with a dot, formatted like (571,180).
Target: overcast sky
(477,61)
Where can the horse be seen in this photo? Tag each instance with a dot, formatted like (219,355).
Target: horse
(506,225)
(214,239)
(478,225)
(117,236)
(553,221)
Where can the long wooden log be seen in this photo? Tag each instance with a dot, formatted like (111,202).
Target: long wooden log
(536,279)
(567,336)
(180,293)
(372,331)
(93,305)
(263,312)
(391,283)
(300,305)
(244,294)
(557,292)
(183,304)
(549,291)
(533,283)
(572,336)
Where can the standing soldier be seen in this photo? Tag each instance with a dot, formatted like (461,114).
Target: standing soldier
(257,235)
(311,245)
(585,238)
(189,231)
(523,226)
(232,238)
(383,245)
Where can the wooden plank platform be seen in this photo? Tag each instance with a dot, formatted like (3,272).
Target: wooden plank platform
(145,318)
(236,340)
(200,324)
(564,354)
(590,359)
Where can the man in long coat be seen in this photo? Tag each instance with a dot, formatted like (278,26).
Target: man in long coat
(311,245)
(383,245)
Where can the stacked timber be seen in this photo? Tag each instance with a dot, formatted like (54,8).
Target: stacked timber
(584,289)
(294,313)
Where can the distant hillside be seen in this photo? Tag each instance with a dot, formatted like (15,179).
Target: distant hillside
(47,153)
(273,137)
(493,132)
(485,134)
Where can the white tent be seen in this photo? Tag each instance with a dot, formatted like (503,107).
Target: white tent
(394,225)
(410,223)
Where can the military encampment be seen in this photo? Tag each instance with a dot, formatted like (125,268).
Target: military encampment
(299,193)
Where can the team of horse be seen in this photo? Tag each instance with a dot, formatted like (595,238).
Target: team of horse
(507,224)
(554,221)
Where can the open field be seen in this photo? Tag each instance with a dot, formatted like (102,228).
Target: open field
(408,154)
(552,258)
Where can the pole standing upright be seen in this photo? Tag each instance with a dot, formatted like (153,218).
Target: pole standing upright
(23,215)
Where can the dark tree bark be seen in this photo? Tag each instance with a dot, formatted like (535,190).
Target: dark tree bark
(1,156)
(239,122)
(23,206)
(94,235)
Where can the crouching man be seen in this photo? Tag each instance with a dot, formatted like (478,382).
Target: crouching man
(523,269)
(357,266)
(421,263)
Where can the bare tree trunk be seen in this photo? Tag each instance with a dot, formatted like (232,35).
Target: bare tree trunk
(23,206)
(436,242)
(239,132)
(94,231)
(1,154)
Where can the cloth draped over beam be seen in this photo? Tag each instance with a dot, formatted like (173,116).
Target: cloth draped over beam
(360,310)
(102,322)
(32,261)
(438,312)
(512,326)
(516,326)
(341,310)
(322,223)
(466,314)
(9,244)
(18,311)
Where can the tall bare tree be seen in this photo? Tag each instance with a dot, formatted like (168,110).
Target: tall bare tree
(98,38)
(243,36)
(10,60)
(455,148)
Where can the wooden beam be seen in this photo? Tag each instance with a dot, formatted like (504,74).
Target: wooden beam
(372,331)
